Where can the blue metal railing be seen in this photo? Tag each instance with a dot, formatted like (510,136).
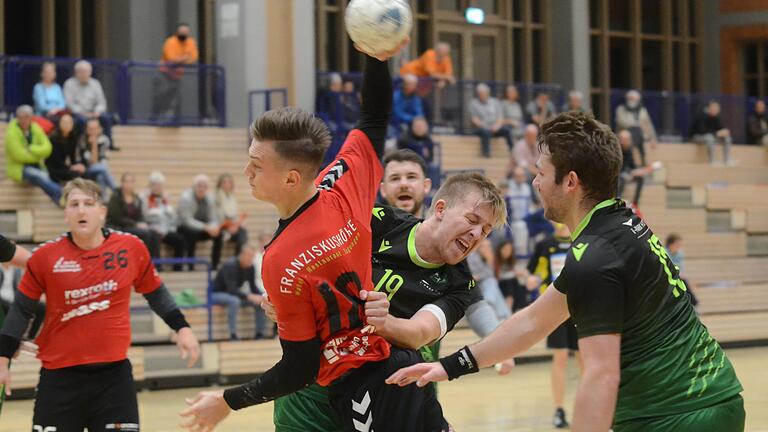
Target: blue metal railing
(140,93)
(263,100)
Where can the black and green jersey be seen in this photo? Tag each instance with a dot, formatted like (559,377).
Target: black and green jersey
(411,283)
(619,279)
(548,259)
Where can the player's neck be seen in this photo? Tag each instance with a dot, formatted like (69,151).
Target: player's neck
(288,206)
(425,247)
(88,242)
(577,214)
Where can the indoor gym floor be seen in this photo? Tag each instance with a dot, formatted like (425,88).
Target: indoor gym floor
(480,403)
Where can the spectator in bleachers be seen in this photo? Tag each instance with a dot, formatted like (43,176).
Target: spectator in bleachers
(520,197)
(124,213)
(93,147)
(486,115)
(418,139)
(575,102)
(434,63)
(405,183)
(229,214)
(64,164)
(350,105)
(630,170)
(228,290)
(634,117)
(675,251)
(198,219)
(708,129)
(514,293)
(26,148)
(481,264)
(85,98)
(10,276)
(513,112)
(757,125)
(161,216)
(179,50)
(406,105)
(526,151)
(541,109)
(47,94)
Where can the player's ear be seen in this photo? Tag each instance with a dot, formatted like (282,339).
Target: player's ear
(293,178)
(440,207)
(427,185)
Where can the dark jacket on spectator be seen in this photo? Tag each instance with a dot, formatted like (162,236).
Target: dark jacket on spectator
(63,155)
(757,127)
(423,145)
(231,277)
(705,124)
(122,215)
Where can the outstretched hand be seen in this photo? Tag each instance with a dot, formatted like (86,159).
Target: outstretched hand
(421,374)
(384,56)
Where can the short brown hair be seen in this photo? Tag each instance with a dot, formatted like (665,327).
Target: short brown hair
(90,188)
(298,135)
(406,155)
(579,143)
(458,186)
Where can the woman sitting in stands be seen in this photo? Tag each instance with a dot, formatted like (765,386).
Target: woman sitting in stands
(47,94)
(229,215)
(124,214)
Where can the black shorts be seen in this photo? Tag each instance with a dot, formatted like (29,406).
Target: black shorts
(564,337)
(363,401)
(101,398)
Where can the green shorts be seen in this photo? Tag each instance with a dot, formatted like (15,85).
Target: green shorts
(726,416)
(305,411)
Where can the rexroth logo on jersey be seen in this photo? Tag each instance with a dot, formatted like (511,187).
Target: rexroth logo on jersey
(86,310)
(81,293)
(62,266)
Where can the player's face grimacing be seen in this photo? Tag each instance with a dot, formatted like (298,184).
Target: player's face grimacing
(84,214)
(265,171)
(404,186)
(463,226)
(552,194)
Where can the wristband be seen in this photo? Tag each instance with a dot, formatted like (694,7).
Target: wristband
(175,320)
(462,362)
(8,346)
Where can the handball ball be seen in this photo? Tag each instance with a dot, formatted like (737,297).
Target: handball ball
(377,26)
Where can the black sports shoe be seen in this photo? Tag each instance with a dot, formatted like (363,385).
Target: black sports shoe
(558,420)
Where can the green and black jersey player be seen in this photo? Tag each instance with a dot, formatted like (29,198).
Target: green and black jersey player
(17,256)
(649,363)
(427,293)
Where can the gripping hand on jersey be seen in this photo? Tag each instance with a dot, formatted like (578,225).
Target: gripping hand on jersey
(376,309)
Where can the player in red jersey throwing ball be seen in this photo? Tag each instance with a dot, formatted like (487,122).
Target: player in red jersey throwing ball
(87,276)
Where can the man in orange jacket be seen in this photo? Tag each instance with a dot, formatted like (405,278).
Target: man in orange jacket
(434,63)
(179,50)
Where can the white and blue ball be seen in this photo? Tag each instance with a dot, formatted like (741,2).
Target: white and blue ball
(378,26)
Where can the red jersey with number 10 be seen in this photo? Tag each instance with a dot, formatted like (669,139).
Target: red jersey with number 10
(87,297)
(321,258)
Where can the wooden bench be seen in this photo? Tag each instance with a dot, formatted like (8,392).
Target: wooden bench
(742,298)
(727,270)
(686,174)
(757,221)
(737,327)
(738,197)
(746,155)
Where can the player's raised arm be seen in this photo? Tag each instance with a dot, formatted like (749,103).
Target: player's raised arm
(377,97)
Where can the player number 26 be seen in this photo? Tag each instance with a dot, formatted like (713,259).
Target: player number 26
(112,261)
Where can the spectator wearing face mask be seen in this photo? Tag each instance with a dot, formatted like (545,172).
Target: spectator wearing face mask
(179,50)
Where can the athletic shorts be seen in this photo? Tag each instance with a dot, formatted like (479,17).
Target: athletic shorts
(363,402)
(564,337)
(308,410)
(101,398)
(726,416)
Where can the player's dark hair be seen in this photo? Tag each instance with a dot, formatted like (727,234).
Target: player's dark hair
(672,239)
(297,135)
(406,155)
(579,143)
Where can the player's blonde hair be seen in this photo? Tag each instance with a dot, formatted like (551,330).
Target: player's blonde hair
(89,187)
(459,186)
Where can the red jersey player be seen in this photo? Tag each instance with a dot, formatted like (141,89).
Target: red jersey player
(317,270)
(87,276)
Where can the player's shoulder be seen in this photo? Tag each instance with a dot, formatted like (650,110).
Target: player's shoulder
(386,214)
(50,246)
(123,238)
(460,272)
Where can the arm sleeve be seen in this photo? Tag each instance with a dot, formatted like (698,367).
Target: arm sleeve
(163,305)
(7,249)
(594,289)
(20,314)
(482,318)
(296,370)
(377,102)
